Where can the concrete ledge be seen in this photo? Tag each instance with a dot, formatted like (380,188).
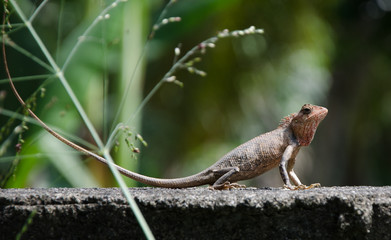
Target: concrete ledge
(199,213)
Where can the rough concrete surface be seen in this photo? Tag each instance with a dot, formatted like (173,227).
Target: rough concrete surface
(198,213)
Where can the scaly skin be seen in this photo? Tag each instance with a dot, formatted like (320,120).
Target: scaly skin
(276,148)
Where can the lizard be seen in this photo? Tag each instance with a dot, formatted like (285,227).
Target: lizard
(253,158)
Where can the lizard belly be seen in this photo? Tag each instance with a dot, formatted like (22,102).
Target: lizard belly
(256,168)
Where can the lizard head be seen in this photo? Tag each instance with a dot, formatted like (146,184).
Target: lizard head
(306,121)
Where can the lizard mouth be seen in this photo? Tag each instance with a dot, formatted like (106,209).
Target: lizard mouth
(322,113)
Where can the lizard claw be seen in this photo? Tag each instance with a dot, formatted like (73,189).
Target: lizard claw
(226,186)
(314,185)
(289,187)
(229,185)
(302,186)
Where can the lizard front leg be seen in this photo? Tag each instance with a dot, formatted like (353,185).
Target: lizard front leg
(282,167)
(293,177)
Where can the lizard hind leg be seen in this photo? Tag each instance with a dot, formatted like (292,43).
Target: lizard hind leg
(226,186)
(222,183)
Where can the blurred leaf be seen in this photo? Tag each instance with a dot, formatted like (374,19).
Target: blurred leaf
(67,162)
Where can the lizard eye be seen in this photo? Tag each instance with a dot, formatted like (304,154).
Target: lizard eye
(306,110)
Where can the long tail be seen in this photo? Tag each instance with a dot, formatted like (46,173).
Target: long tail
(198,179)
(195,180)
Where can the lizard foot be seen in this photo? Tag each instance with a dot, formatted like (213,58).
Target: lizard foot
(314,185)
(302,186)
(226,186)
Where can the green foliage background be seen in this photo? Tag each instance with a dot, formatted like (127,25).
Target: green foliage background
(330,53)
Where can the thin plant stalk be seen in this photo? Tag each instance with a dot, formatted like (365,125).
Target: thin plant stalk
(27,78)
(177,65)
(39,8)
(87,31)
(60,74)
(31,120)
(29,55)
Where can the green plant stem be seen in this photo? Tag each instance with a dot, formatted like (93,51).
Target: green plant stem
(124,97)
(31,120)
(12,25)
(182,61)
(87,31)
(59,29)
(60,75)
(31,19)
(27,78)
(105,75)
(178,65)
(26,225)
(7,142)
(160,18)
(36,155)
(136,210)
(29,55)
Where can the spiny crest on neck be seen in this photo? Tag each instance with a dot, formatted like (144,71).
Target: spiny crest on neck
(286,121)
